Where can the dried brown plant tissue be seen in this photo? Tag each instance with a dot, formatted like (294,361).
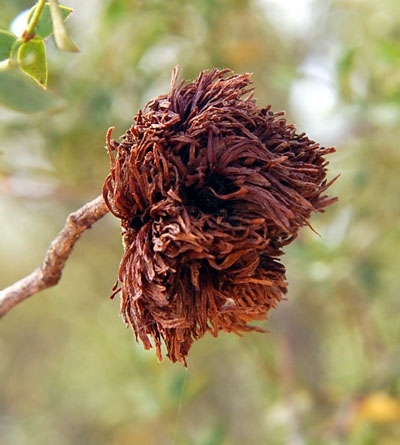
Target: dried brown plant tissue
(209,188)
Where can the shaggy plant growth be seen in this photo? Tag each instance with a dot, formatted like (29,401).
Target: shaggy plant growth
(209,188)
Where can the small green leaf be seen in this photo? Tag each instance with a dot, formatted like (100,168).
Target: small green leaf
(32,60)
(7,40)
(19,92)
(63,41)
(44,27)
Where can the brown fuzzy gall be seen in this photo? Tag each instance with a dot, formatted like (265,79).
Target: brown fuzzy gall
(209,188)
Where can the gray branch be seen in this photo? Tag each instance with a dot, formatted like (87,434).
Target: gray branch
(49,272)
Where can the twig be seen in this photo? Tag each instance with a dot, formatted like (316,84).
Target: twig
(30,32)
(49,272)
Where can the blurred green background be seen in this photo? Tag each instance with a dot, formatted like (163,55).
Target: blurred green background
(328,371)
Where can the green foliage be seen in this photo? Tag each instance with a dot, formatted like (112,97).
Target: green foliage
(7,40)
(16,92)
(61,37)
(32,60)
(20,93)
(45,25)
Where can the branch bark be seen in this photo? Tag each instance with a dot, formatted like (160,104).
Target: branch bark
(49,272)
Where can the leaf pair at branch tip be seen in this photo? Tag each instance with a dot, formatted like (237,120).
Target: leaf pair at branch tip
(32,53)
(23,64)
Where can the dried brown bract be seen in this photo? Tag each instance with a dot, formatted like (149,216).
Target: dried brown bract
(209,188)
